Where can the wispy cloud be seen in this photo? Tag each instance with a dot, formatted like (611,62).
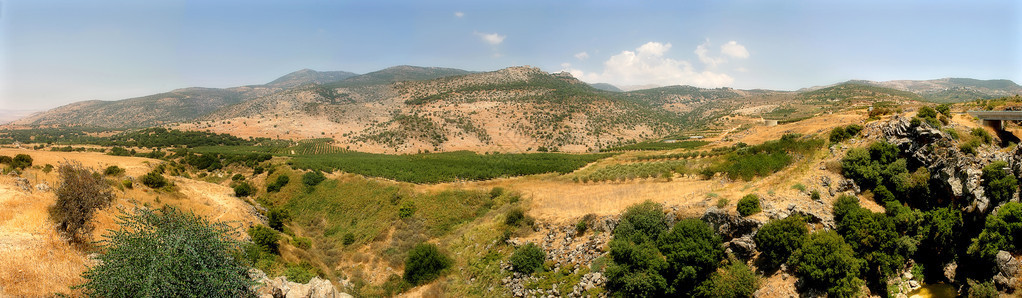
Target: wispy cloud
(459,14)
(491,38)
(582,56)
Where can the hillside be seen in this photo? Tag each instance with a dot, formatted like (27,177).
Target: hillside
(857,91)
(947,90)
(307,76)
(398,74)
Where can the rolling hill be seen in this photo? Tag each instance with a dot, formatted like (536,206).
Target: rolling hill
(946,90)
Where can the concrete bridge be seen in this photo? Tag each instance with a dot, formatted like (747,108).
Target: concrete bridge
(995,119)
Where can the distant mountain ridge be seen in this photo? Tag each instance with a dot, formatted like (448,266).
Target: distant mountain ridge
(307,76)
(946,90)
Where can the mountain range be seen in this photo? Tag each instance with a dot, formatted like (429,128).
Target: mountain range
(410,108)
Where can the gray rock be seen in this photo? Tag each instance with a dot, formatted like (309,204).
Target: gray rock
(281,287)
(742,247)
(730,226)
(1007,264)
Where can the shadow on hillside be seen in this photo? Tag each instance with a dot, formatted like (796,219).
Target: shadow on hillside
(1006,137)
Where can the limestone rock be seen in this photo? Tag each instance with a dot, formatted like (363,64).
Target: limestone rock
(281,287)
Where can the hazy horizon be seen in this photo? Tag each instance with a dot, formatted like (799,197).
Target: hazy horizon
(111,50)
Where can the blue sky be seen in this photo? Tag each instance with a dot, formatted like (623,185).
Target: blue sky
(56,52)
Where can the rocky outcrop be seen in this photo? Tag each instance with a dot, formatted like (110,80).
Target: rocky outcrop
(1008,269)
(735,230)
(280,287)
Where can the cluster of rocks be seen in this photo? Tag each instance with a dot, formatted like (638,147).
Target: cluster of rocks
(23,184)
(736,231)
(1008,270)
(565,247)
(280,287)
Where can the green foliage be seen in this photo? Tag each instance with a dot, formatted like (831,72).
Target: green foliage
(656,146)
(4,159)
(873,166)
(631,171)
(300,273)
(113,171)
(982,289)
(277,217)
(722,202)
(81,192)
(778,239)
(243,190)
(281,181)
(940,231)
(515,217)
(749,205)
(642,222)
(349,238)
(21,161)
(826,262)
(998,182)
(168,253)
(840,134)
(425,263)
(874,238)
(313,178)
(119,151)
(814,195)
(407,210)
(926,112)
(265,237)
(982,135)
(154,180)
(1001,232)
(238,177)
(764,159)
(528,259)
(844,205)
(734,281)
(496,192)
(882,196)
(944,109)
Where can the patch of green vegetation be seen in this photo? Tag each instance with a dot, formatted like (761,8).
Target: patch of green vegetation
(761,160)
(659,145)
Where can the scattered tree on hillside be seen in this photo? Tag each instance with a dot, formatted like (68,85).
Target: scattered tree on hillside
(998,182)
(749,205)
(827,263)
(528,259)
(425,263)
(80,194)
(777,239)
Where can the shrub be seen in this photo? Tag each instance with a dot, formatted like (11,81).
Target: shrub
(1000,232)
(675,263)
(642,222)
(998,183)
(47,168)
(349,238)
(276,185)
(313,178)
(4,159)
(147,257)
(722,202)
(583,224)
(515,217)
(243,190)
(424,264)
(826,262)
(113,171)
(407,210)
(528,259)
(926,112)
(276,218)
(21,161)
(944,109)
(496,192)
(777,239)
(265,237)
(128,184)
(982,135)
(736,280)
(154,180)
(982,289)
(815,195)
(80,194)
(749,205)
(238,177)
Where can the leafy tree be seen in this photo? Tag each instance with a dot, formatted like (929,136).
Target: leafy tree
(21,161)
(515,217)
(944,109)
(113,171)
(168,253)
(636,270)
(349,238)
(844,205)
(826,262)
(528,259)
(873,166)
(642,222)
(881,195)
(749,205)
(838,134)
(777,239)
(80,194)
(940,231)
(874,238)
(998,183)
(264,237)
(1001,232)
(982,289)
(243,190)
(154,180)
(277,217)
(982,135)
(926,112)
(734,281)
(276,185)
(692,250)
(238,177)
(425,262)
(313,178)
(4,159)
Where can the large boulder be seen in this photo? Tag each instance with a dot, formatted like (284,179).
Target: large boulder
(728,225)
(1008,269)
(281,287)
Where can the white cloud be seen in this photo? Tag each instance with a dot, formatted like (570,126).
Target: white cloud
(582,56)
(491,38)
(459,14)
(735,50)
(649,64)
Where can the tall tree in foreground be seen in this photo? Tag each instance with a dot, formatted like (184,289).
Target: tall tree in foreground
(168,253)
(81,192)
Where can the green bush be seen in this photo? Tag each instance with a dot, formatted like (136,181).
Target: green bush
(425,263)
(873,166)
(407,210)
(154,180)
(982,135)
(349,238)
(265,237)
(722,202)
(113,171)
(528,259)
(815,195)
(128,184)
(926,112)
(840,134)
(496,192)
(276,218)
(735,280)
(777,239)
(515,217)
(982,289)
(81,192)
(276,185)
(4,159)
(749,205)
(238,177)
(168,253)
(21,161)
(300,273)
(944,109)
(1000,232)
(642,222)
(827,263)
(998,183)
(313,178)
(243,190)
